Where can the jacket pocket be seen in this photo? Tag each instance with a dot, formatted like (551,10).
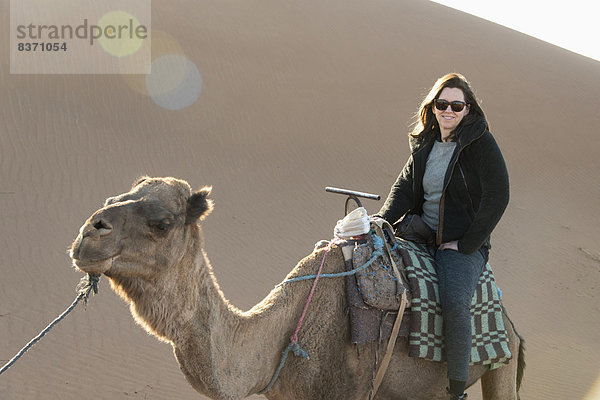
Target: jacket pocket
(412,228)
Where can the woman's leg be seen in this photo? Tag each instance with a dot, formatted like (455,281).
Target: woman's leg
(458,275)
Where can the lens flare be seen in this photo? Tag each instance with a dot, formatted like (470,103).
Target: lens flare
(122,33)
(175,82)
(161,44)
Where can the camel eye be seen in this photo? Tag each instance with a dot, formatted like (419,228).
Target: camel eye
(160,225)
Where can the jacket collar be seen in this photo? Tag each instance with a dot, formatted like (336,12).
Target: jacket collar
(464,135)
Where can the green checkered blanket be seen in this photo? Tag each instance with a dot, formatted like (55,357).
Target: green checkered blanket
(426,338)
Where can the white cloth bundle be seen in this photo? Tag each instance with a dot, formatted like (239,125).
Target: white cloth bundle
(354,224)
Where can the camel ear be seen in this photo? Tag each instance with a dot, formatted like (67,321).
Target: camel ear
(198,205)
(140,180)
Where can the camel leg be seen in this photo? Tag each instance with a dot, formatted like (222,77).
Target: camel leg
(503,383)
(500,384)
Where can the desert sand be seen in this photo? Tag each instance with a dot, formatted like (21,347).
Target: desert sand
(295,96)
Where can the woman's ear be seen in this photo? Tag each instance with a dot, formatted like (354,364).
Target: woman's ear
(198,205)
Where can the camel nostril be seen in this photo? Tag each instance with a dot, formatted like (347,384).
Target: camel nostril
(103,227)
(100,224)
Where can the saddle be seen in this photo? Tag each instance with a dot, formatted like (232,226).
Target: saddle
(384,281)
(375,294)
(393,293)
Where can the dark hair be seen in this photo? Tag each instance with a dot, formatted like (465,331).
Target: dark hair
(425,119)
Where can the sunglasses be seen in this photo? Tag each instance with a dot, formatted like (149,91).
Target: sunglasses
(442,105)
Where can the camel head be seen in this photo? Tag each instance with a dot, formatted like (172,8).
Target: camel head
(141,232)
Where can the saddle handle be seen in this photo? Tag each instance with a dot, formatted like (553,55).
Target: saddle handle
(352,195)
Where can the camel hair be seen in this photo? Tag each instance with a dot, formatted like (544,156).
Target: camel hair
(148,242)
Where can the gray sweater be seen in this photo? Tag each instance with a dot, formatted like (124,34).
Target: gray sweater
(433,181)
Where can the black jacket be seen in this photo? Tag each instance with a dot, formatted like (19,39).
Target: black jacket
(475,192)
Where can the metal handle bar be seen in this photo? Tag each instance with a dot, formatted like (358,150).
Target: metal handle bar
(352,195)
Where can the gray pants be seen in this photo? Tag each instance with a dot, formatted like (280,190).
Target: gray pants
(458,275)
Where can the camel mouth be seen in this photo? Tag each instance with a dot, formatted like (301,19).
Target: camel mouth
(99,266)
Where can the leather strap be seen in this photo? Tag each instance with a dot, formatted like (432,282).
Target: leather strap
(390,349)
(402,281)
(385,362)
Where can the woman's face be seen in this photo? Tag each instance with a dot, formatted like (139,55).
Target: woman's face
(448,119)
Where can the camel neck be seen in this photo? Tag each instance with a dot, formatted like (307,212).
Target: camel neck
(231,343)
(215,341)
(222,351)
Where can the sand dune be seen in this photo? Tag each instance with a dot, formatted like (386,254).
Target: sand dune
(295,97)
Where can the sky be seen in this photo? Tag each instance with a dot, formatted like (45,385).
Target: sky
(568,24)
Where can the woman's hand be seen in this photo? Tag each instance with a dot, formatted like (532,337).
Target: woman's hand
(453,245)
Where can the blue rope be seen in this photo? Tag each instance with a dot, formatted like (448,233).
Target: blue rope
(377,244)
(295,347)
(86,285)
(376,254)
(298,352)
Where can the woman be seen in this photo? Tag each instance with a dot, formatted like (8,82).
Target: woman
(456,181)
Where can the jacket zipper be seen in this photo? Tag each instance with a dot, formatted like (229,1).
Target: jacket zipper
(438,239)
(441,210)
(466,187)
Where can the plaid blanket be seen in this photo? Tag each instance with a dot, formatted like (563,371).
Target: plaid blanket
(426,338)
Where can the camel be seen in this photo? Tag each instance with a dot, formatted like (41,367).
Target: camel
(149,244)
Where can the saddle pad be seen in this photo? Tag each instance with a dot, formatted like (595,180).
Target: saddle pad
(426,338)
